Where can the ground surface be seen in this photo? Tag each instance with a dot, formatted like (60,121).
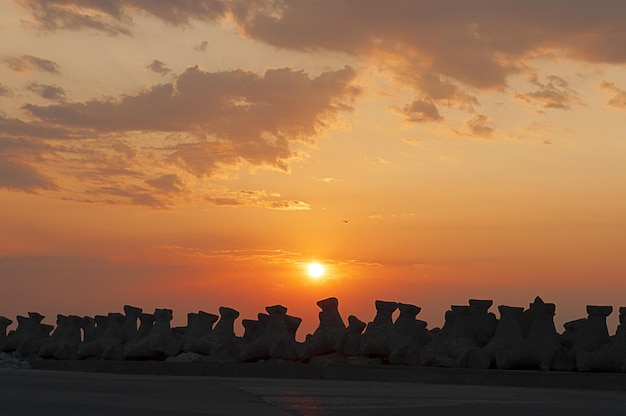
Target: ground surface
(52,393)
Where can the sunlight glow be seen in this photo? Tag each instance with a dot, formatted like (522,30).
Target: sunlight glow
(316,270)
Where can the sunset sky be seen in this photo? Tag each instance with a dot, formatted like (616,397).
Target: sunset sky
(193,154)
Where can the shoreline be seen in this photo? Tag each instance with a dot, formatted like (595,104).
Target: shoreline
(346,372)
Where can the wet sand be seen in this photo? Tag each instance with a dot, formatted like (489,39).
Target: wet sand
(56,393)
(146,388)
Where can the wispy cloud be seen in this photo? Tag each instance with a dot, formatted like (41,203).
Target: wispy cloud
(47,91)
(159,67)
(115,17)
(18,176)
(24,63)
(478,126)
(261,199)
(419,111)
(618,98)
(554,93)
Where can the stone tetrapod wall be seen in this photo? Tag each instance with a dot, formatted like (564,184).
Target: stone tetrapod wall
(471,337)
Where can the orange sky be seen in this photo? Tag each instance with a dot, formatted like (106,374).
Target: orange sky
(196,154)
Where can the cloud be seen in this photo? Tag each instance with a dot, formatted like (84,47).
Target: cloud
(24,63)
(4,91)
(419,111)
(555,93)
(169,183)
(164,144)
(18,176)
(13,127)
(252,117)
(618,99)
(159,67)
(433,87)
(115,17)
(445,50)
(413,142)
(330,180)
(18,164)
(46,91)
(128,194)
(260,199)
(202,46)
(478,126)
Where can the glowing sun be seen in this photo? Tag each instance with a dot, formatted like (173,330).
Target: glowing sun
(316,270)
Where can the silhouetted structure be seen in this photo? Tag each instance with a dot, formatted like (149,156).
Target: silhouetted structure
(471,337)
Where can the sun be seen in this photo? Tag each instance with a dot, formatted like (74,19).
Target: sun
(316,270)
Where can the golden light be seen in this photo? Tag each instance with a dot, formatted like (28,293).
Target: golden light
(316,270)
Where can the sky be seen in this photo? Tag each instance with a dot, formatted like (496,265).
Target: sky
(193,154)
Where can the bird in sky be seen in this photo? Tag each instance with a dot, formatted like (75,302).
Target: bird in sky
(346,221)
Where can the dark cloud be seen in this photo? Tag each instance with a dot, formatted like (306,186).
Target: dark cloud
(18,165)
(444,91)
(159,67)
(478,126)
(12,128)
(49,92)
(481,35)
(24,63)
(253,117)
(169,183)
(618,99)
(115,16)
(148,148)
(4,91)
(202,46)
(122,193)
(420,111)
(206,158)
(445,49)
(555,93)
(19,176)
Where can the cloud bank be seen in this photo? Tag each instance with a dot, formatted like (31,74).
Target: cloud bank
(145,148)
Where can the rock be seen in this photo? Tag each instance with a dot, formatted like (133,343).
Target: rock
(28,336)
(539,348)
(109,346)
(102,323)
(334,358)
(9,362)
(375,339)
(466,327)
(329,333)
(199,325)
(610,357)
(132,314)
(146,322)
(64,341)
(508,333)
(474,357)
(160,341)
(4,324)
(276,339)
(408,336)
(222,338)
(594,334)
(187,357)
(88,326)
(351,341)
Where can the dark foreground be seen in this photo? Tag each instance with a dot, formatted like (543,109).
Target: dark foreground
(52,393)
